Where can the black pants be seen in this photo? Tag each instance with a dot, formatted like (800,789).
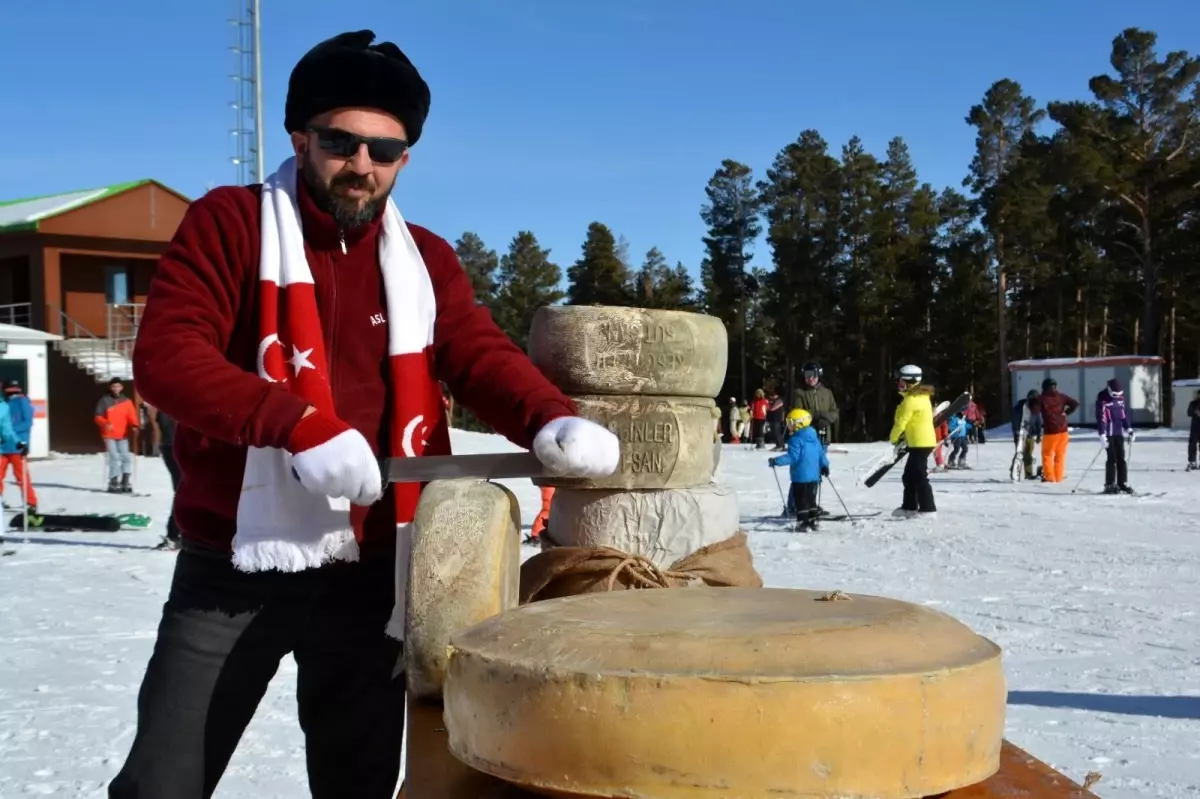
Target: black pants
(958,451)
(918,494)
(1115,470)
(1193,444)
(168,457)
(759,429)
(777,430)
(221,638)
(804,501)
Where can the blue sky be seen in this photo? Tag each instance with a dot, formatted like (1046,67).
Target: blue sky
(549,114)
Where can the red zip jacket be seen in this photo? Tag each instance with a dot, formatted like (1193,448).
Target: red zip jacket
(196,353)
(1056,407)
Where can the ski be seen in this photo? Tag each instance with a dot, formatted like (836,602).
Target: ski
(959,404)
(843,517)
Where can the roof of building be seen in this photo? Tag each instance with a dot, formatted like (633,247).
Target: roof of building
(19,333)
(24,214)
(1104,362)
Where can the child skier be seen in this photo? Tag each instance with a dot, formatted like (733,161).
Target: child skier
(1112,422)
(808,463)
(960,430)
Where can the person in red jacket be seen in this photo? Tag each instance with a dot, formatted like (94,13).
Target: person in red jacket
(297,331)
(758,418)
(1056,407)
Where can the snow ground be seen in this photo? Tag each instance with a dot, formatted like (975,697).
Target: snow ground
(1095,600)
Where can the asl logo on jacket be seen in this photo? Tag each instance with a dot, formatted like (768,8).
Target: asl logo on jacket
(377,319)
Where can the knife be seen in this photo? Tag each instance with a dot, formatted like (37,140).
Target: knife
(488,466)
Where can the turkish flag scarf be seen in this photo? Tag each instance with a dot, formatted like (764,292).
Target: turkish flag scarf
(280,525)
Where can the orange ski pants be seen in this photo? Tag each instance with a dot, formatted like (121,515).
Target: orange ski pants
(1054,456)
(539,524)
(18,466)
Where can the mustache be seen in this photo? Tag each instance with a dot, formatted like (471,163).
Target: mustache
(352,181)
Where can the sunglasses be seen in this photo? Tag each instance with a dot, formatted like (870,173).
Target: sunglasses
(344,144)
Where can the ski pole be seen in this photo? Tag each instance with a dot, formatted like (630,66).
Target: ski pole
(23,483)
(837,494)
(780,487)
(1088,469)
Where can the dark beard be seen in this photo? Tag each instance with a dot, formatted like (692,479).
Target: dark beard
(344,210)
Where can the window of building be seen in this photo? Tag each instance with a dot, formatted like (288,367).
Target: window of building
(116,285)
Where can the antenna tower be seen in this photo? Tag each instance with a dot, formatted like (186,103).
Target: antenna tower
(247,128)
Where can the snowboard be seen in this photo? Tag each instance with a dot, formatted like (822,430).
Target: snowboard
(945,412)
(1016,471)
(81,522)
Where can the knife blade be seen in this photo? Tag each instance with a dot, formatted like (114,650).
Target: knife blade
(486,466)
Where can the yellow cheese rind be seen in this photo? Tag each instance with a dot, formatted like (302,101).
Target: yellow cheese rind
(431,772)
(666,442)
(706,693)
(465,567)
(588,349)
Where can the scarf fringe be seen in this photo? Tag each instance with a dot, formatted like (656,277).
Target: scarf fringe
(294,556)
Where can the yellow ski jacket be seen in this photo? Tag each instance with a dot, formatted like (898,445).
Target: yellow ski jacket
(914,418)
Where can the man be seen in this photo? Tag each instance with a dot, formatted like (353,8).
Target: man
(1027,431)
(12,453)
(816,398)
(297,331)
(1112,422)
(1056,407)
(116,416)
(914,421)
(1193,412)
(775,412)
(164,426)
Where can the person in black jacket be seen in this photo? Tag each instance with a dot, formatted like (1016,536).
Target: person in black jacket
(166,448)
(1193,413)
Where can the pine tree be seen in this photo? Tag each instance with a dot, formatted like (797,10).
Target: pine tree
(657,285)
(1002,120)
(731,215)
(528,281)
(599,277)
(480,264)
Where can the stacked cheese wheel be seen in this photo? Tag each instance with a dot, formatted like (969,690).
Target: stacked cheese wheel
(649,376)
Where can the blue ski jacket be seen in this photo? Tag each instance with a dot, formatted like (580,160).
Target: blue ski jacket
(805,456)
(958,426)
(8,436)
(20,411)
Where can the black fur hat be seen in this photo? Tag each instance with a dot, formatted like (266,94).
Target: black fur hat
(348,70)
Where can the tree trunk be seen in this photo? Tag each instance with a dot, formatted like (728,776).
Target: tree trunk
(1028,328)
(1165,383)
(1083,325)
(1002,324)
(1104,331)
(1137,336)
(1148,342)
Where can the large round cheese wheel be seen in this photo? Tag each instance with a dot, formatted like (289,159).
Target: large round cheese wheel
(465,567)
(666,442)
(661,526)
(726,692)
(596,349)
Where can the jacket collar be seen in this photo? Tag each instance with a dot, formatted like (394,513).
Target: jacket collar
(321,231)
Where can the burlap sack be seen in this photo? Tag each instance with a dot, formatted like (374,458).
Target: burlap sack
(569,571)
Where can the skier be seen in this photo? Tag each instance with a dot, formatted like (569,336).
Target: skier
(960,431)
(775,413)
(1193,412)
(758,412)
(734,419)
(816,398)
(914,421)
(809,463)
(1027,431)
(116,417)
(165,427)
(1056,407)
(1112,422)
(20,411)
(941,433)
(285,400)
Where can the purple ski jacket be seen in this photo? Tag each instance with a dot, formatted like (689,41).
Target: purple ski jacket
(1112,418)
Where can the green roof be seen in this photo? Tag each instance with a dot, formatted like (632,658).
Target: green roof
(22,215)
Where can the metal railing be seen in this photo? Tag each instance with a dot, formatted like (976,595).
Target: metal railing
(102,358)
(122,321)
(17,313)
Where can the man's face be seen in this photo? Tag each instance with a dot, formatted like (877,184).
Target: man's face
(345,181)
(811,378)
(115,388)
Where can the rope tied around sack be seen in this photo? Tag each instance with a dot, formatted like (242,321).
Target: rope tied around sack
(645,574)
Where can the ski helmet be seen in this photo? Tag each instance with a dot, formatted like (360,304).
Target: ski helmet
(812,369)
(909,373)
(798,418)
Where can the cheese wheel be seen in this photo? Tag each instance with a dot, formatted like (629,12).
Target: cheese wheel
(666,442)
(464,568)
(723,692)
(661,526)
(593,349)
(431,772)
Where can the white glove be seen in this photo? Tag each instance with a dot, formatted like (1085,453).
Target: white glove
(571,446)
(1129,435)
(333,459)
(1104,441)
